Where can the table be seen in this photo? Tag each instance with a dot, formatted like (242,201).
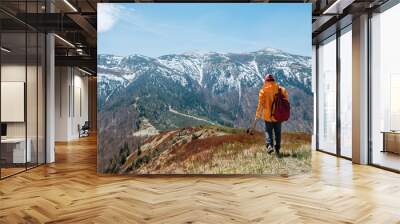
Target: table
(391,141)
(19,155)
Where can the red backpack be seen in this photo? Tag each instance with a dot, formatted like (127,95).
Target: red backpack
(280,107)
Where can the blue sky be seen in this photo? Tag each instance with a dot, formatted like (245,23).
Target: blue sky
(159,29)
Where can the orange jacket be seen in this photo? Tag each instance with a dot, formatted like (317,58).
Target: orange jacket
(266,98)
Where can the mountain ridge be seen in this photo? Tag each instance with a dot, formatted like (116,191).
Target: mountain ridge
(233,78)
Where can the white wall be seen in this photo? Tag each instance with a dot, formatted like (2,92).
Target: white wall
(80,112)
(62,82)
(71,94)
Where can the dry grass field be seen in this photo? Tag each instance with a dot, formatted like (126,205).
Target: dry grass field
(214,150)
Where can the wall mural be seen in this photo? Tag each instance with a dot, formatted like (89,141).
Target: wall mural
(179,86)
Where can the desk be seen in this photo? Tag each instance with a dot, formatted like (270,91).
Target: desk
(391,141)
(18,149)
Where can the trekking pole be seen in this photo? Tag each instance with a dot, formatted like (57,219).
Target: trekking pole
(254,124)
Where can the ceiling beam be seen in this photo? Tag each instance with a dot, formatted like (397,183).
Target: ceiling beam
(49,22)
(77,61)
(84,24)
(338,6)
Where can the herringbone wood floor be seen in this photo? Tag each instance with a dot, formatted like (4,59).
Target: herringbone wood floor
(70,191)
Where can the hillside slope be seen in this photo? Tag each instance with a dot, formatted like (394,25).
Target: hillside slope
(213,150)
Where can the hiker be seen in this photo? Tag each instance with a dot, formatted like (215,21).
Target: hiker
(272,112)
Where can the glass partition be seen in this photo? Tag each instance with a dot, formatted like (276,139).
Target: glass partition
(327,95)
(13,105)
(385,89)
(22,77)
(346,93)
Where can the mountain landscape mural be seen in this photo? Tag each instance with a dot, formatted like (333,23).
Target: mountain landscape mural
(145,103)
(179,84)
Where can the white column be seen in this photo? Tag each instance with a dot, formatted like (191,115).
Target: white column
(360,90)
(50,98)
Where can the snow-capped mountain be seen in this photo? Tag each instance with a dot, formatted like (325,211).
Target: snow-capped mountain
(220,87)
